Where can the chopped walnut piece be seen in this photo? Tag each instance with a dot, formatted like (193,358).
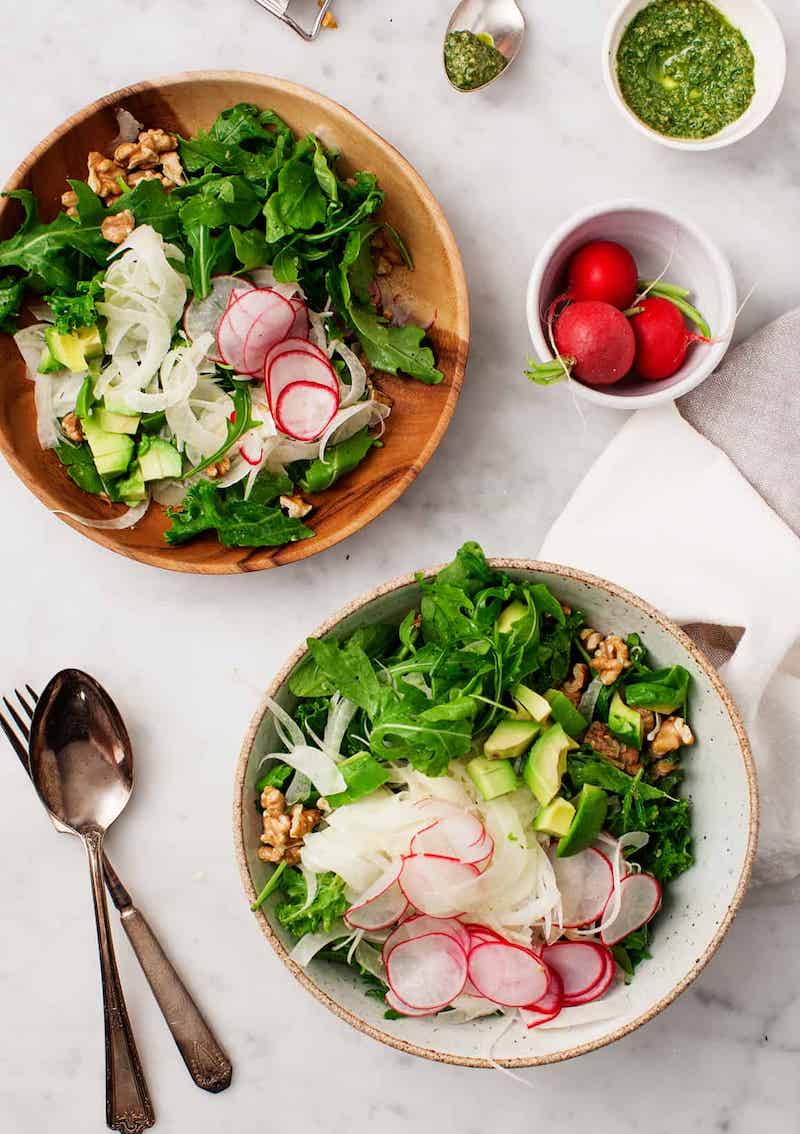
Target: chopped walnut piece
(295,507)
(71,428)
(70,202)
(133,179)
(577,683)
(103,176)
(158,140)
(171,168)
(662,768)
(600,738)
(591,639)
(218,469)
(610,658)
(283,833)
(118,226)
(134,155)
(648,720)
(673,734)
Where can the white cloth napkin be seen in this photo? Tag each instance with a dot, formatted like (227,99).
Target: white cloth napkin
(665,513)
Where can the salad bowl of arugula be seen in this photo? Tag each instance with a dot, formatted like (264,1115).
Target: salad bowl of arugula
(234,322)
(496,813)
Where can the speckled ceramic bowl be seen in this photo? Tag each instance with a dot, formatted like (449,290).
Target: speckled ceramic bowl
(721,781)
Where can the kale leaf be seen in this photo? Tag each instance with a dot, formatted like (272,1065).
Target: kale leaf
(238,523)
(328,906)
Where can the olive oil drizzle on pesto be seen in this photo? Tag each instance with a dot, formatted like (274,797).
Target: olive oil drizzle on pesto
(471,60)
(684,70)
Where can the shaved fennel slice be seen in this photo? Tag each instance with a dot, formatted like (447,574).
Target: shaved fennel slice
(298,789)
(307,947)
(55,394)
(116,523)
(40,310)
(340,714)
(613,849)
(358,375)
(310,879)
(286,727)
(169,493)
(198,409)
(370,959)
(316,328)
(349,421)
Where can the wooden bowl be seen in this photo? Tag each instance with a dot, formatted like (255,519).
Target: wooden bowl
(700,904)
(420,414)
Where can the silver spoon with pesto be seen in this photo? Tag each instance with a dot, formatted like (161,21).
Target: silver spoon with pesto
(483,38)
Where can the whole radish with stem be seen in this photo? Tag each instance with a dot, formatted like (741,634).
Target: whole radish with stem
(594,343)
(662,340)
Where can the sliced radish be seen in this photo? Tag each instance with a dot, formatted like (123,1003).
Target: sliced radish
(461,836)
(381,905)
(271,327)
(580,964)
(299,328)
(406,1009)
(436,885)
(585,881)
(639,901)
(301,365)
(244,311)
(427,972)
(597,989)
(479,935)
(419,925)
(292,343)
(507,974)
(552,999)
(532,1017)
(304,409)
(204,315)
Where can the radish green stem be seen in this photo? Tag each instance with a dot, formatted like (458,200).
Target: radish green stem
(660,287)
(692,314)
(633,311)
(546,373)
(271,885)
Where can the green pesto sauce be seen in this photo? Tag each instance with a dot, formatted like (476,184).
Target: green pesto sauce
(684,70)
(471,60)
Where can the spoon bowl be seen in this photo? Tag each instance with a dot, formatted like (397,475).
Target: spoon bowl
(500,19)
(81,758)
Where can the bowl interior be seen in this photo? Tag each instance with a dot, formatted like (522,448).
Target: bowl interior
(655,239)
(762,31)
(701,904)
(437,287)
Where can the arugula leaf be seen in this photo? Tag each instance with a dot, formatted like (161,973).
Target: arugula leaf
(151,204)
(585,768)
(339,460)
(268,486)
(325,176)
(221,201)
(209,254)
(394,349)
(47,252)
(328,906)
(298,204)
(238,523)
(80,466)
(251,248)
(429,738)
(11,293)
(349,668)
(310,680)
(469,570)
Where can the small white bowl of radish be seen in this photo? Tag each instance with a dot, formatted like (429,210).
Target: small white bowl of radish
(631,304)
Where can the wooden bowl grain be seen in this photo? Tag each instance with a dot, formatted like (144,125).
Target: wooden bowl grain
(183,103)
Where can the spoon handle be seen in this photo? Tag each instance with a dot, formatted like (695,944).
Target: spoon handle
(128,1105)
(205,1060)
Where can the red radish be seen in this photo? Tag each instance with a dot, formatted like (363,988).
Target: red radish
(427,972)
(421,924)
(293,366)
(603,270)
(460,836)
(551,1001)
(245,308)
(436,885)
(595,342)
(204,315)
(585,881)
(662,339)
(305,410)
(507,974)
(381,905)
(597,989)
(299,328)
(532,1017)
(405,1009)
(580,964)
(268,329)
(250,449)
(639,901)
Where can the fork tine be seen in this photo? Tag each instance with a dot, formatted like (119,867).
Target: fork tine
(24,704)
(32,692)
(14,741)
(18,721)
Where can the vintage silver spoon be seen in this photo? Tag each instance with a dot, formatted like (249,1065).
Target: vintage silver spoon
(501,19)
(82,768)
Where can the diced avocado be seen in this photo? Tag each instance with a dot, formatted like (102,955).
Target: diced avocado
(492,778)
(91,342)
(116,422)
(363,775)
(158,458)
(66,349)
(546,763)
(556,818)
(510,739)
(565,713)
(112,452)
(624,722)
(509,615)
(534,704)
(48,364)
(590,815)
(132,488)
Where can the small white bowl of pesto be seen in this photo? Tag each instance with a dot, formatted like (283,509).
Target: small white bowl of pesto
(691,74)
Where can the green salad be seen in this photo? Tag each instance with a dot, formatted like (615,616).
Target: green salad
(492,773)
(213,313)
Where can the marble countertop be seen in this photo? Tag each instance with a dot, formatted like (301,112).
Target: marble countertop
(187,657)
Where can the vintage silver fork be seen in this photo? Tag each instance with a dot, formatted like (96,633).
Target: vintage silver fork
(282,9)
(205,1059)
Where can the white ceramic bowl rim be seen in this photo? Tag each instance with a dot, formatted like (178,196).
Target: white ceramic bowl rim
(604,396)
(735,131)
(240,802)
